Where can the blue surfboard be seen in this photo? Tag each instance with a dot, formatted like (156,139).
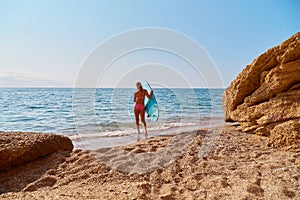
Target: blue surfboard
(150,104)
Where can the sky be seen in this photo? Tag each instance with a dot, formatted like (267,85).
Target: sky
(47,43)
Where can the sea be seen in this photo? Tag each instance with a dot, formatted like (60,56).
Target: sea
(102,117)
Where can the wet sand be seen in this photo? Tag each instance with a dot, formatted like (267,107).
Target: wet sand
(219,163)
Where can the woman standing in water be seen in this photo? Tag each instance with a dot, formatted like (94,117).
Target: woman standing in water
(139,107)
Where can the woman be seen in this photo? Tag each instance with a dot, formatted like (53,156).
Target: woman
(139,108)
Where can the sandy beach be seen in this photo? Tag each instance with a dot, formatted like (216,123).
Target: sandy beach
(150,100)
(239,166)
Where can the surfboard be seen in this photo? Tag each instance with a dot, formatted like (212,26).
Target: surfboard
(151,105)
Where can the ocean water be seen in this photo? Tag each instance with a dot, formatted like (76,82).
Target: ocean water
(98,113)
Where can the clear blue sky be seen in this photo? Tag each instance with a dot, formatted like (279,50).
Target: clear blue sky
(43,43)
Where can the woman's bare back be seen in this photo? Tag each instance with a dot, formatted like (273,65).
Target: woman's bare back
(140,96)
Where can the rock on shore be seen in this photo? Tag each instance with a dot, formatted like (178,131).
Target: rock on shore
(17,148)
(265,97)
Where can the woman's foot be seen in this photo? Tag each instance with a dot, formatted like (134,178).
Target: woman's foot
(145,133)
(138,130)
(138,139)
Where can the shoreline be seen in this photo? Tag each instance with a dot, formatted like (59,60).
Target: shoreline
(237,166)
(96,141)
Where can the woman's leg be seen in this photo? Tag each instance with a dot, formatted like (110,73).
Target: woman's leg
(136,114)
(142,113)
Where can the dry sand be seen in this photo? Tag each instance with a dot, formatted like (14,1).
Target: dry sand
(239,166)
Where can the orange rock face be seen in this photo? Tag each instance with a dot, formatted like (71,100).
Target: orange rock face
(17,148)
(265,97)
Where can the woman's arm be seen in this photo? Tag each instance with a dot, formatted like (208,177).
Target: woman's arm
(134,98)
(149,95)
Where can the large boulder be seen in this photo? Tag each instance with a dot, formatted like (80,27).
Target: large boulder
(265,97)
(18,148)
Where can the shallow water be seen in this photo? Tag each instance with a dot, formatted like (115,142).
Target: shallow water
(105,112)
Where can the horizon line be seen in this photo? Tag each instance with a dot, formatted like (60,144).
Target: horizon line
(49,87)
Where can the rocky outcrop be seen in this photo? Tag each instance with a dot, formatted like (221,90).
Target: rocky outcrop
(286,135)
(265,97)
(18,148)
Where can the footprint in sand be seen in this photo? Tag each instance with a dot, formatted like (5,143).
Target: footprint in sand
(152,154)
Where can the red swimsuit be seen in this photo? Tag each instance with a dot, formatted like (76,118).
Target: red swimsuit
(139,107)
